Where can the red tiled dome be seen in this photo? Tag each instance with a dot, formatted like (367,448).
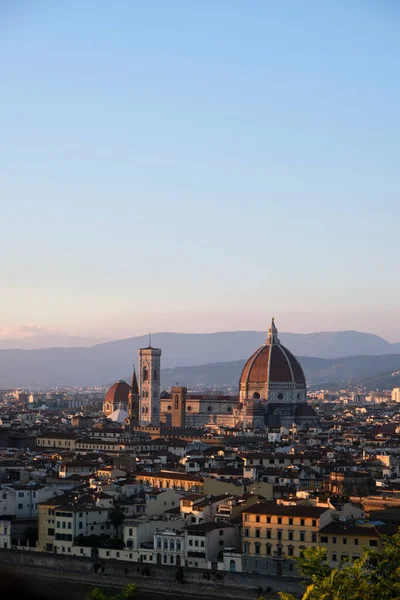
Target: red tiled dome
(272,363)
(119,392)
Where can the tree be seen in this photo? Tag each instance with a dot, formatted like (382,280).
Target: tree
(116,516)
(375,576)
(128,593)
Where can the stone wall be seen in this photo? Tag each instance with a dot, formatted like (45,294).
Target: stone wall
(184,581)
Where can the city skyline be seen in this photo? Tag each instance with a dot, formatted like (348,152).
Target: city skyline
(199,167)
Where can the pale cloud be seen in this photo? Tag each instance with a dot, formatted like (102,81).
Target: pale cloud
(25,331)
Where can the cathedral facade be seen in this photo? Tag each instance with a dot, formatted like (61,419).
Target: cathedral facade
(272,392)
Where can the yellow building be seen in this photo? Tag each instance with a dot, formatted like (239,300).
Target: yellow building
(171,480)
(46,523)
(347,541)
(271,532)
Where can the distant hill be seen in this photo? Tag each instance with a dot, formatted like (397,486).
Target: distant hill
(48,340)
(319,372)
(102,363)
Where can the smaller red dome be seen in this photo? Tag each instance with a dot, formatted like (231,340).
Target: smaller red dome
(119,392)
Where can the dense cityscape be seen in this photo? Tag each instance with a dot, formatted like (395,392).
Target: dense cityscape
(199,482)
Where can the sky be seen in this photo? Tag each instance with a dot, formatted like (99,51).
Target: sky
(199,166)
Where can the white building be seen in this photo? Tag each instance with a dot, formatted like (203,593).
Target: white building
(78,518)
(169,547)
(205,543)
(21,501)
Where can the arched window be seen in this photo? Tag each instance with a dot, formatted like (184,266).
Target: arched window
(268,549)
(256,396)
(145,374)
(176,402)
(232,566)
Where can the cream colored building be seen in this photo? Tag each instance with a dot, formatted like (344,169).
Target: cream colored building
(273,531)
(347,541)
(396,394)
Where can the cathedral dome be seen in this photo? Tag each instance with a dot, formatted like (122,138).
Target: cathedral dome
(118,393)
(272,363)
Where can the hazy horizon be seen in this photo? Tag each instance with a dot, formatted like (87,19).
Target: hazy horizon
(199,167)
(190,323)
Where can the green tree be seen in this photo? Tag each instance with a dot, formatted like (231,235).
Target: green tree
(375,576)
(128,593)
(116,516)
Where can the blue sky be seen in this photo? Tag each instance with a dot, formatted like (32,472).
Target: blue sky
(199,166)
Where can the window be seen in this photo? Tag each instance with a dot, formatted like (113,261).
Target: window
(334,557)
(80,525)
(324,539)
(20,506)
(356,541)
(257,518)
(334,540)
(20,494)
(221,542)
(373,543)
(268,549)
(257,548)
(246,532)
(290,536)
(302,536)
(355,557)
(246,547)
(50,532)
(302,522)
(257,533)
(268,534)
(69,525)
(314,522)
(279,520)
(221,532)
(268,519)
(344,541)
(290,521)
(314,537)
(290,551)
(190,542)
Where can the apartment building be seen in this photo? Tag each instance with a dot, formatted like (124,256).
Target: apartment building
(347,541)
(273,531)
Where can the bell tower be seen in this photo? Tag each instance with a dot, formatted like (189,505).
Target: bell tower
(178,406)
(149,385)
(133,402)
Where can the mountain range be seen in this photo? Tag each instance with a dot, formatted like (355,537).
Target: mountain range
(102,363)
(376,372)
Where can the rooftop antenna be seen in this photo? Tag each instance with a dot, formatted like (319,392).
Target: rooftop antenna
(149,339)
